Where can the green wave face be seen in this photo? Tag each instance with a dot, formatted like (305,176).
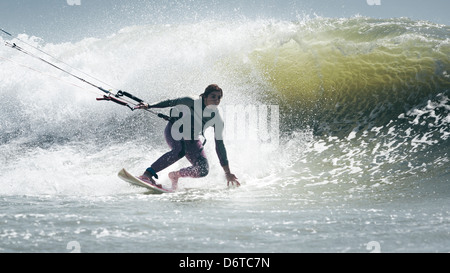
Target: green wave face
(358,70)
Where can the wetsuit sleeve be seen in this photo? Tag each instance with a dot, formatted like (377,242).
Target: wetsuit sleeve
(220,145)
(221,152)
(171,103)
(163,104)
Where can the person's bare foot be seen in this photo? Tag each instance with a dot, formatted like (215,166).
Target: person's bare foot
(174,176)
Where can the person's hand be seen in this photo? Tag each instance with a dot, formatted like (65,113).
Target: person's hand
(231,178)
(142,105)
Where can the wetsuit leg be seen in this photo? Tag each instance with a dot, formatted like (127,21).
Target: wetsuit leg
(172,156)
(196,155)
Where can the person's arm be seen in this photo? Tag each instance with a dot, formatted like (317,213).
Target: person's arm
(222,151)
(222,154)
(162,104)
(188,101)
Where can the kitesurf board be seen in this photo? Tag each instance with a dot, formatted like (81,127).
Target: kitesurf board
(127,177)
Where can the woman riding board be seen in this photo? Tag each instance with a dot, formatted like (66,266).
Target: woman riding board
(191,147)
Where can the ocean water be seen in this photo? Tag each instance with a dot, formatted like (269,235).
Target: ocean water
(361,163)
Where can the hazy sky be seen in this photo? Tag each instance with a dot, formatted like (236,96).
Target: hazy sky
(57,20)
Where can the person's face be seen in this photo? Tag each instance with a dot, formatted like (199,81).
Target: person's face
(213,98)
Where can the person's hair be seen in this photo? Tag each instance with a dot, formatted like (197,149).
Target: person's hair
(211,88)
